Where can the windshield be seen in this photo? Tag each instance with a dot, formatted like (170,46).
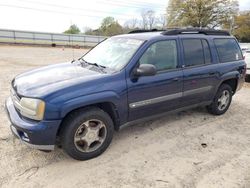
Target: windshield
(113,53)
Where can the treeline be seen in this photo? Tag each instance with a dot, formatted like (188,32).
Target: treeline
(216,14)
(109,26)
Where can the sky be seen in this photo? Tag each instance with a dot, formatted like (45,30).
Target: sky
(57,15)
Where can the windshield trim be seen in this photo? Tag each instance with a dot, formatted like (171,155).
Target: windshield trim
(122,67)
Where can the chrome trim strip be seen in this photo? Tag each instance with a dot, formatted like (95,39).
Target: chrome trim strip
(196,91)
(155,100)
(169,97)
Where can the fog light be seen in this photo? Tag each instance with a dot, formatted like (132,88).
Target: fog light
(25,137)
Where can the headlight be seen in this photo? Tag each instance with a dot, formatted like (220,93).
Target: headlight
(32,108)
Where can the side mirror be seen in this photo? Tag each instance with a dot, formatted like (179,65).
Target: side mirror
(145,70)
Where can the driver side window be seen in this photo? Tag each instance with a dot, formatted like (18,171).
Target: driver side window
(163,55)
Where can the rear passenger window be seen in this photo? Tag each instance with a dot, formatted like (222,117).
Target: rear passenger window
(228,50)
(196,52)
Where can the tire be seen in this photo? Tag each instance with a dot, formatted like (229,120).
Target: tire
(247,79)
(86,133)
(216,107)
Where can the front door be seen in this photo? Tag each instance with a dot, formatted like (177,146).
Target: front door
(150,95)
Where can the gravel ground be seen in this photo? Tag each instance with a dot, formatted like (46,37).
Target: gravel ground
(186,149)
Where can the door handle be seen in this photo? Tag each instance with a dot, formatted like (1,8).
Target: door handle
(176,79)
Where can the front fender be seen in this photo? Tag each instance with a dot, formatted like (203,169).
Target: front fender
(82,101)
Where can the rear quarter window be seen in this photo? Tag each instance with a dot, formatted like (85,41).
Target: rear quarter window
(228,50)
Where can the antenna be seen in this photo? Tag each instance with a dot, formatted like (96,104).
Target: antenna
(73,50)
(72,43)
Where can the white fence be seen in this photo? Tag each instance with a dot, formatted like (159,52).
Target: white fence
(53,39)
(245,45)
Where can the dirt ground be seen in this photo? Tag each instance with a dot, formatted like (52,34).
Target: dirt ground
(186,149)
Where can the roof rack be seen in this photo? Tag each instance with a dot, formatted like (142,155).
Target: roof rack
(196,31)
(144,31)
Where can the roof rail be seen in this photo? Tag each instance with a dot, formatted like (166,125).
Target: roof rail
(144,31)
(196,31)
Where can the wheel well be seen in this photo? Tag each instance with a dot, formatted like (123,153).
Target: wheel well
(107,107)
(110,108)
(232,83)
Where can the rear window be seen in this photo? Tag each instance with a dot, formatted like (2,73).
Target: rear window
(228,50)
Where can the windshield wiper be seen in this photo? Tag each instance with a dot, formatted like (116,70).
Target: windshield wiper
(93,64)
(97,65)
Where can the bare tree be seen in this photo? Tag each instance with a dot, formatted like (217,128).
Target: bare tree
(148,19)
(144,19)
(151,18)
(162,21)
(131,24)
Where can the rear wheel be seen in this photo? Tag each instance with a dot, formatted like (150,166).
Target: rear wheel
(247,79)
(87,133)
(222,100)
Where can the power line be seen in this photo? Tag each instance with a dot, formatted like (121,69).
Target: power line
(138,3)
(121,16)
(52,11)
(73,8)
(123,4)
(128,5)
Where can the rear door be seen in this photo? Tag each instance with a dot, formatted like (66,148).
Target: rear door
(200,73)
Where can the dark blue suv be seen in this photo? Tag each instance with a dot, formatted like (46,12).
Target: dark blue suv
(123,80)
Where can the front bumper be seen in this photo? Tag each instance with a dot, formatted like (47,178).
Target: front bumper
(36,134)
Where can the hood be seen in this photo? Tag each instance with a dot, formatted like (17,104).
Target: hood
(43,81)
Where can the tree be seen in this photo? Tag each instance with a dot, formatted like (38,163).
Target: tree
(242,27)
(162,21)
(148,19)
(201,13)
(73,29)
(151,18)
(107,22)
(131,24)
(110,27)
(173,13)
(144,21)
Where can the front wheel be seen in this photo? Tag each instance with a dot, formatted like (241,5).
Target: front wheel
(87,133)
(222,100)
